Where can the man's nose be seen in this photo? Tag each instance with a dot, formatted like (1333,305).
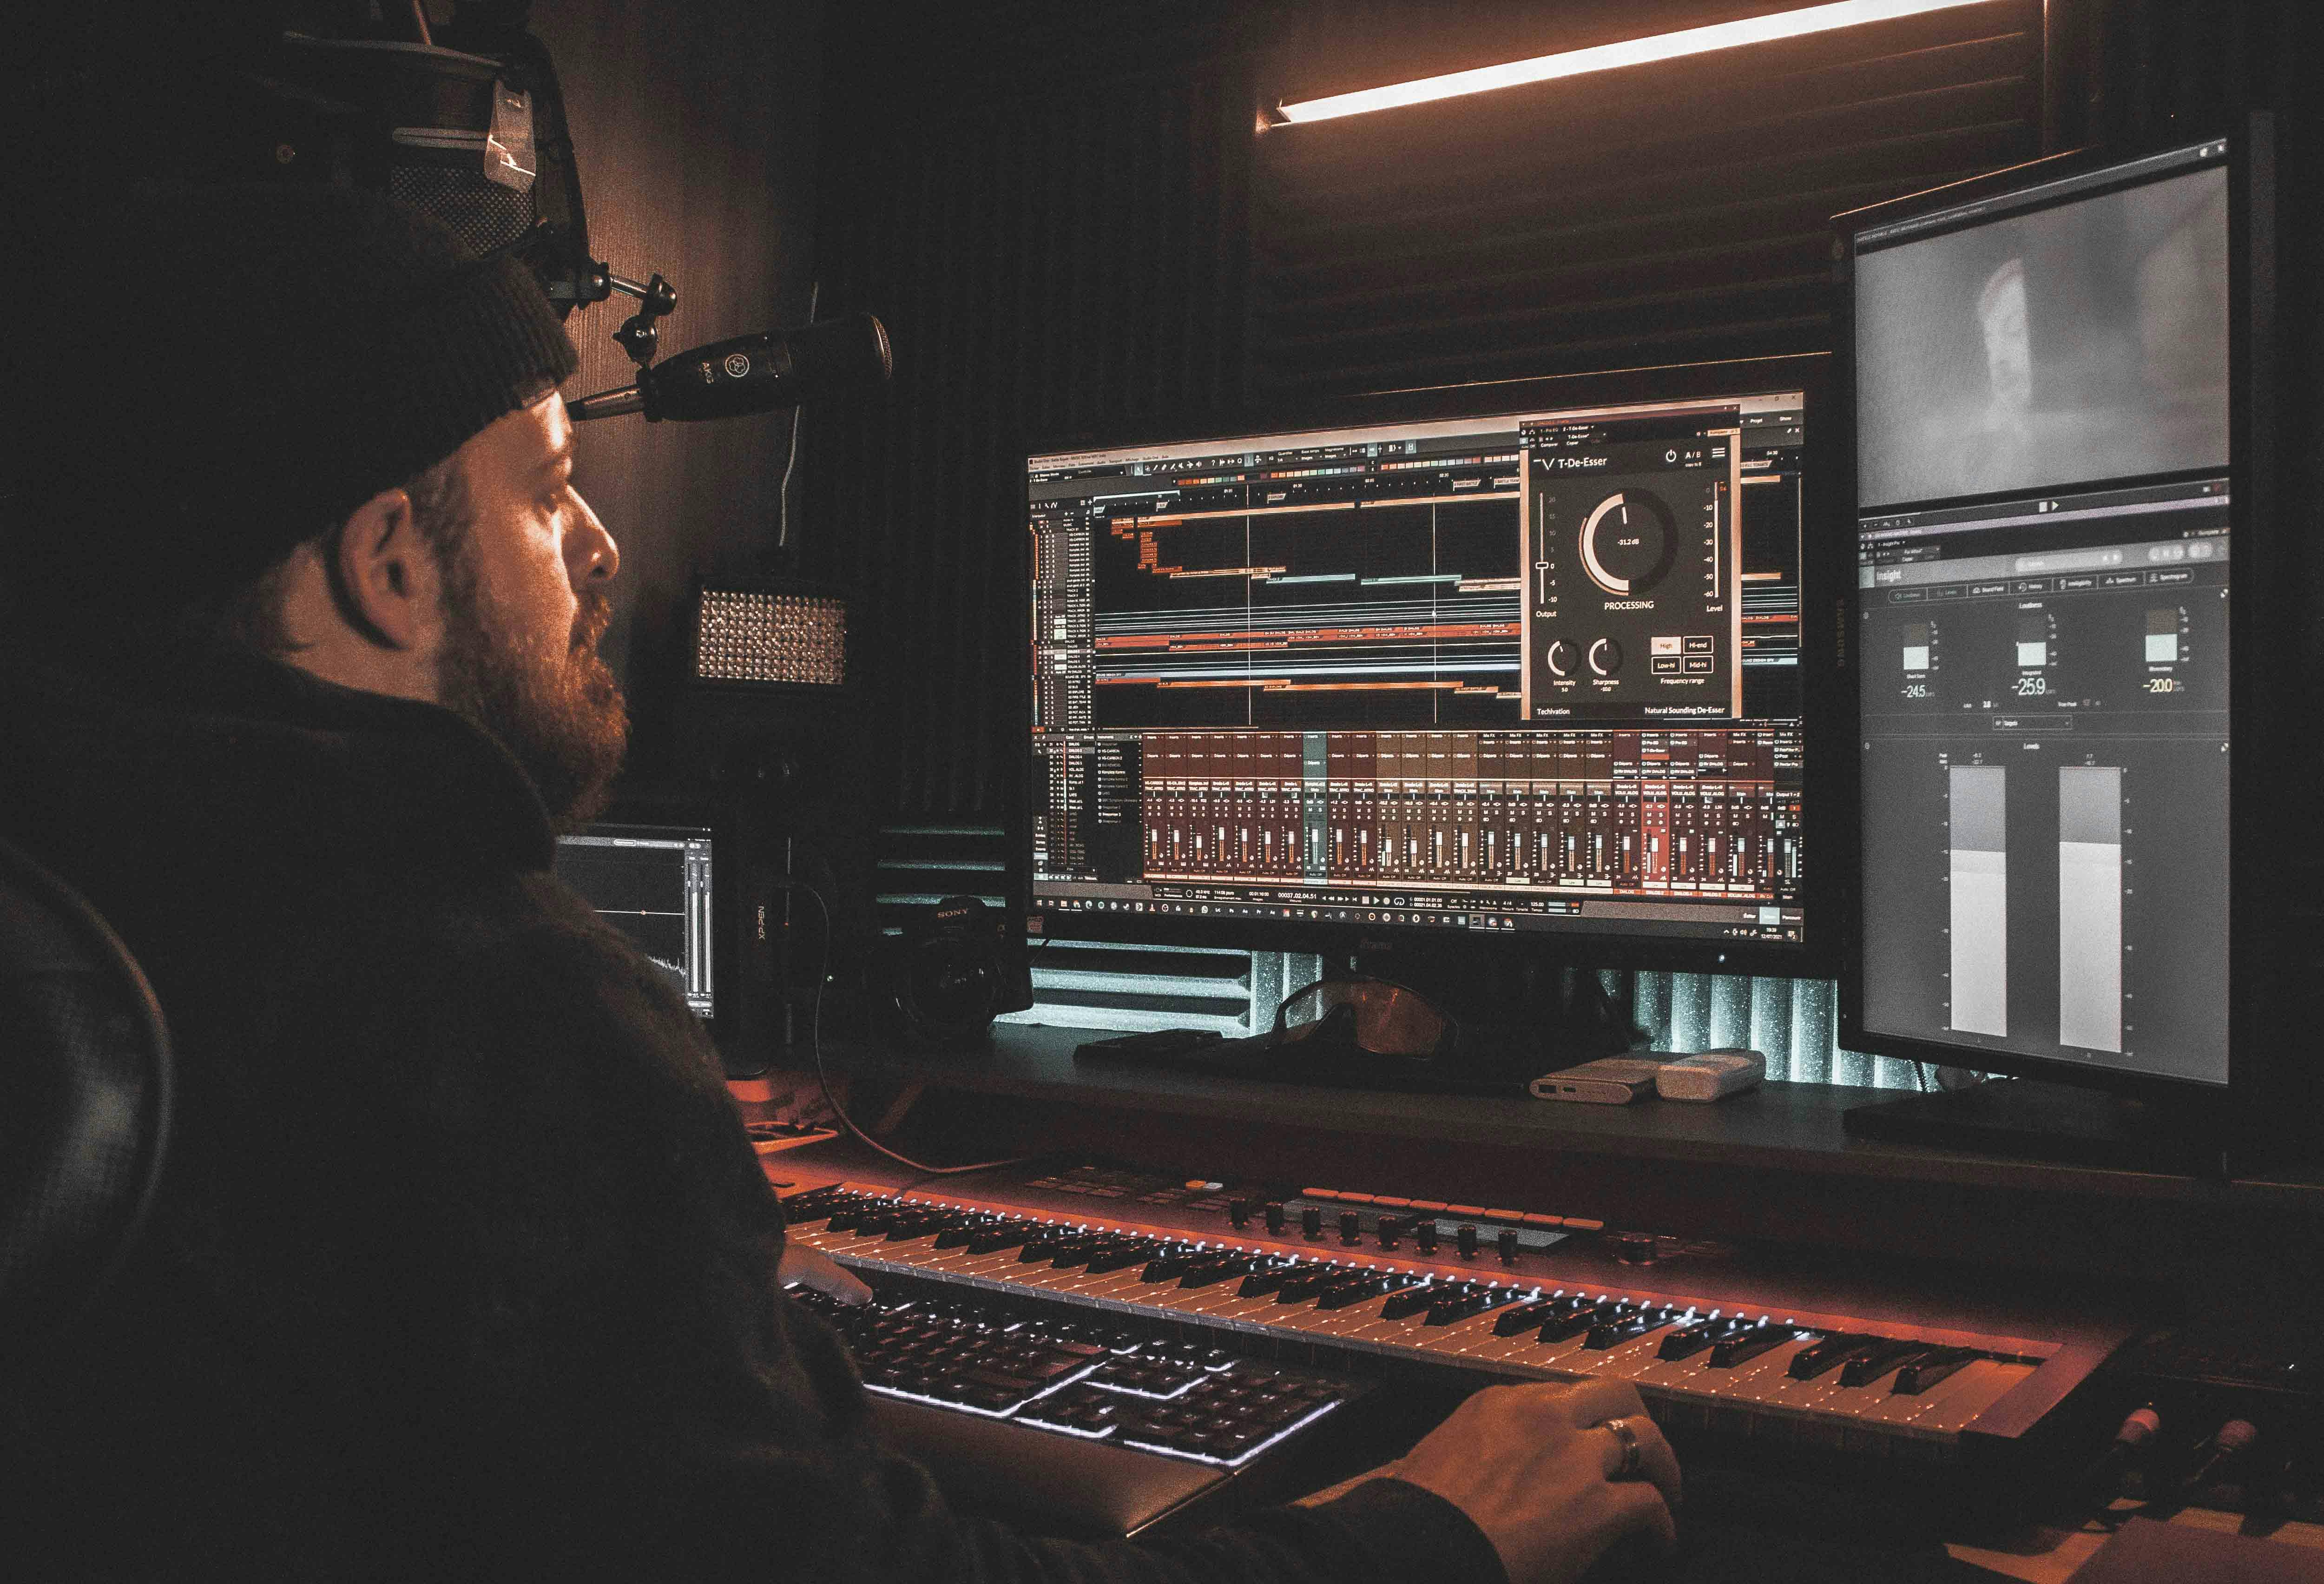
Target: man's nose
(590,553)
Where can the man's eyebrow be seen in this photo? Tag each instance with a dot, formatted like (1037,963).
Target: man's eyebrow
(558,457)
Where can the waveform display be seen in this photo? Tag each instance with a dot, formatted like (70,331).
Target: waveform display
(1401,612)
(652,883)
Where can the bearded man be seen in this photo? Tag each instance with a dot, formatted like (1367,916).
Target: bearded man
(462,1265)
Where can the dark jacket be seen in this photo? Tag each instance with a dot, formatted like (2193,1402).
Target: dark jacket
(463,1265)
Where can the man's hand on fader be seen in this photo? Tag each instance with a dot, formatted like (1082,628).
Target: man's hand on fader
(1538,1469)
(806,1267)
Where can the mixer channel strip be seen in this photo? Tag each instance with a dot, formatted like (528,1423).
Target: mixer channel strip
(1094,1379)
(1806,1378)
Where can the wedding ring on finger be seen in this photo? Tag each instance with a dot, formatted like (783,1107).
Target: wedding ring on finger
(1627,1436)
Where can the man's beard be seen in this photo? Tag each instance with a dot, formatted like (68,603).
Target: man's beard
(563,721)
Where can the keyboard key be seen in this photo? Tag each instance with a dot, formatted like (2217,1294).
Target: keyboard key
(1828,1354)
(1867,1364)
(1689,1340)
(1742,1348)
(1936,1365)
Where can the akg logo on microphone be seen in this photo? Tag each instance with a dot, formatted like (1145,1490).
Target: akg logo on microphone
(737,364)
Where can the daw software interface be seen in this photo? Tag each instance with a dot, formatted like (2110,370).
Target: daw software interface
(652,883)
(1531,672)
(2043,569)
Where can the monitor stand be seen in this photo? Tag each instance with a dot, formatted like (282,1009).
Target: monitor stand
(2027,1120)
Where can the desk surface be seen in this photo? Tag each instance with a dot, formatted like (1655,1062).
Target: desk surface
(1789,1127)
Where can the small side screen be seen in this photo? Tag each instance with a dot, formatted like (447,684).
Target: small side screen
(652,883)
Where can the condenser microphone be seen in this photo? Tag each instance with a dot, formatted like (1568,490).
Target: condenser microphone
(753,374)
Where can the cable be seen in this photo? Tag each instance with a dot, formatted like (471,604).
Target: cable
(791,463)
(823,1075)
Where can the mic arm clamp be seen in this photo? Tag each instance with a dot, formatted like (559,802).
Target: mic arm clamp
(656,297)
(571,276)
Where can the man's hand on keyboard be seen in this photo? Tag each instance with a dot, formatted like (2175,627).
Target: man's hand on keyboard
(1536,1468)
(804,1266)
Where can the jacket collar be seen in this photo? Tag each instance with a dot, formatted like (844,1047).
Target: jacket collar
(228,746)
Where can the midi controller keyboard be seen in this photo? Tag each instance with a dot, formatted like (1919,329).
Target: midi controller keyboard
(1249,1317)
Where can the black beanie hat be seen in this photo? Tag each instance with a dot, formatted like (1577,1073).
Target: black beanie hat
(237,369)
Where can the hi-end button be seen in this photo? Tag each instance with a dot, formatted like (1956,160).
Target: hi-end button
(1605,657)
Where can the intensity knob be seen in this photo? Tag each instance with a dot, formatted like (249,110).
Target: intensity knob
(1560,658)
(1605,657)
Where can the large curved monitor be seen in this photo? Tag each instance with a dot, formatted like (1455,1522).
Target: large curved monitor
(1522,664)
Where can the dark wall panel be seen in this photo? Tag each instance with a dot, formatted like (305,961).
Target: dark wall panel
(1046,206)
(695,126)
(1656,214)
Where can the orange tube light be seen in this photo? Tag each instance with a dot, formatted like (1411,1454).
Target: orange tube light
(1694,41)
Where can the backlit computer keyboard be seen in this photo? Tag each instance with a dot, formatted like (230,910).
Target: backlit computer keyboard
(1100,1381)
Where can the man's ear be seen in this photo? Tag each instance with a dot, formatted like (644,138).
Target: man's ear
(383,574)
